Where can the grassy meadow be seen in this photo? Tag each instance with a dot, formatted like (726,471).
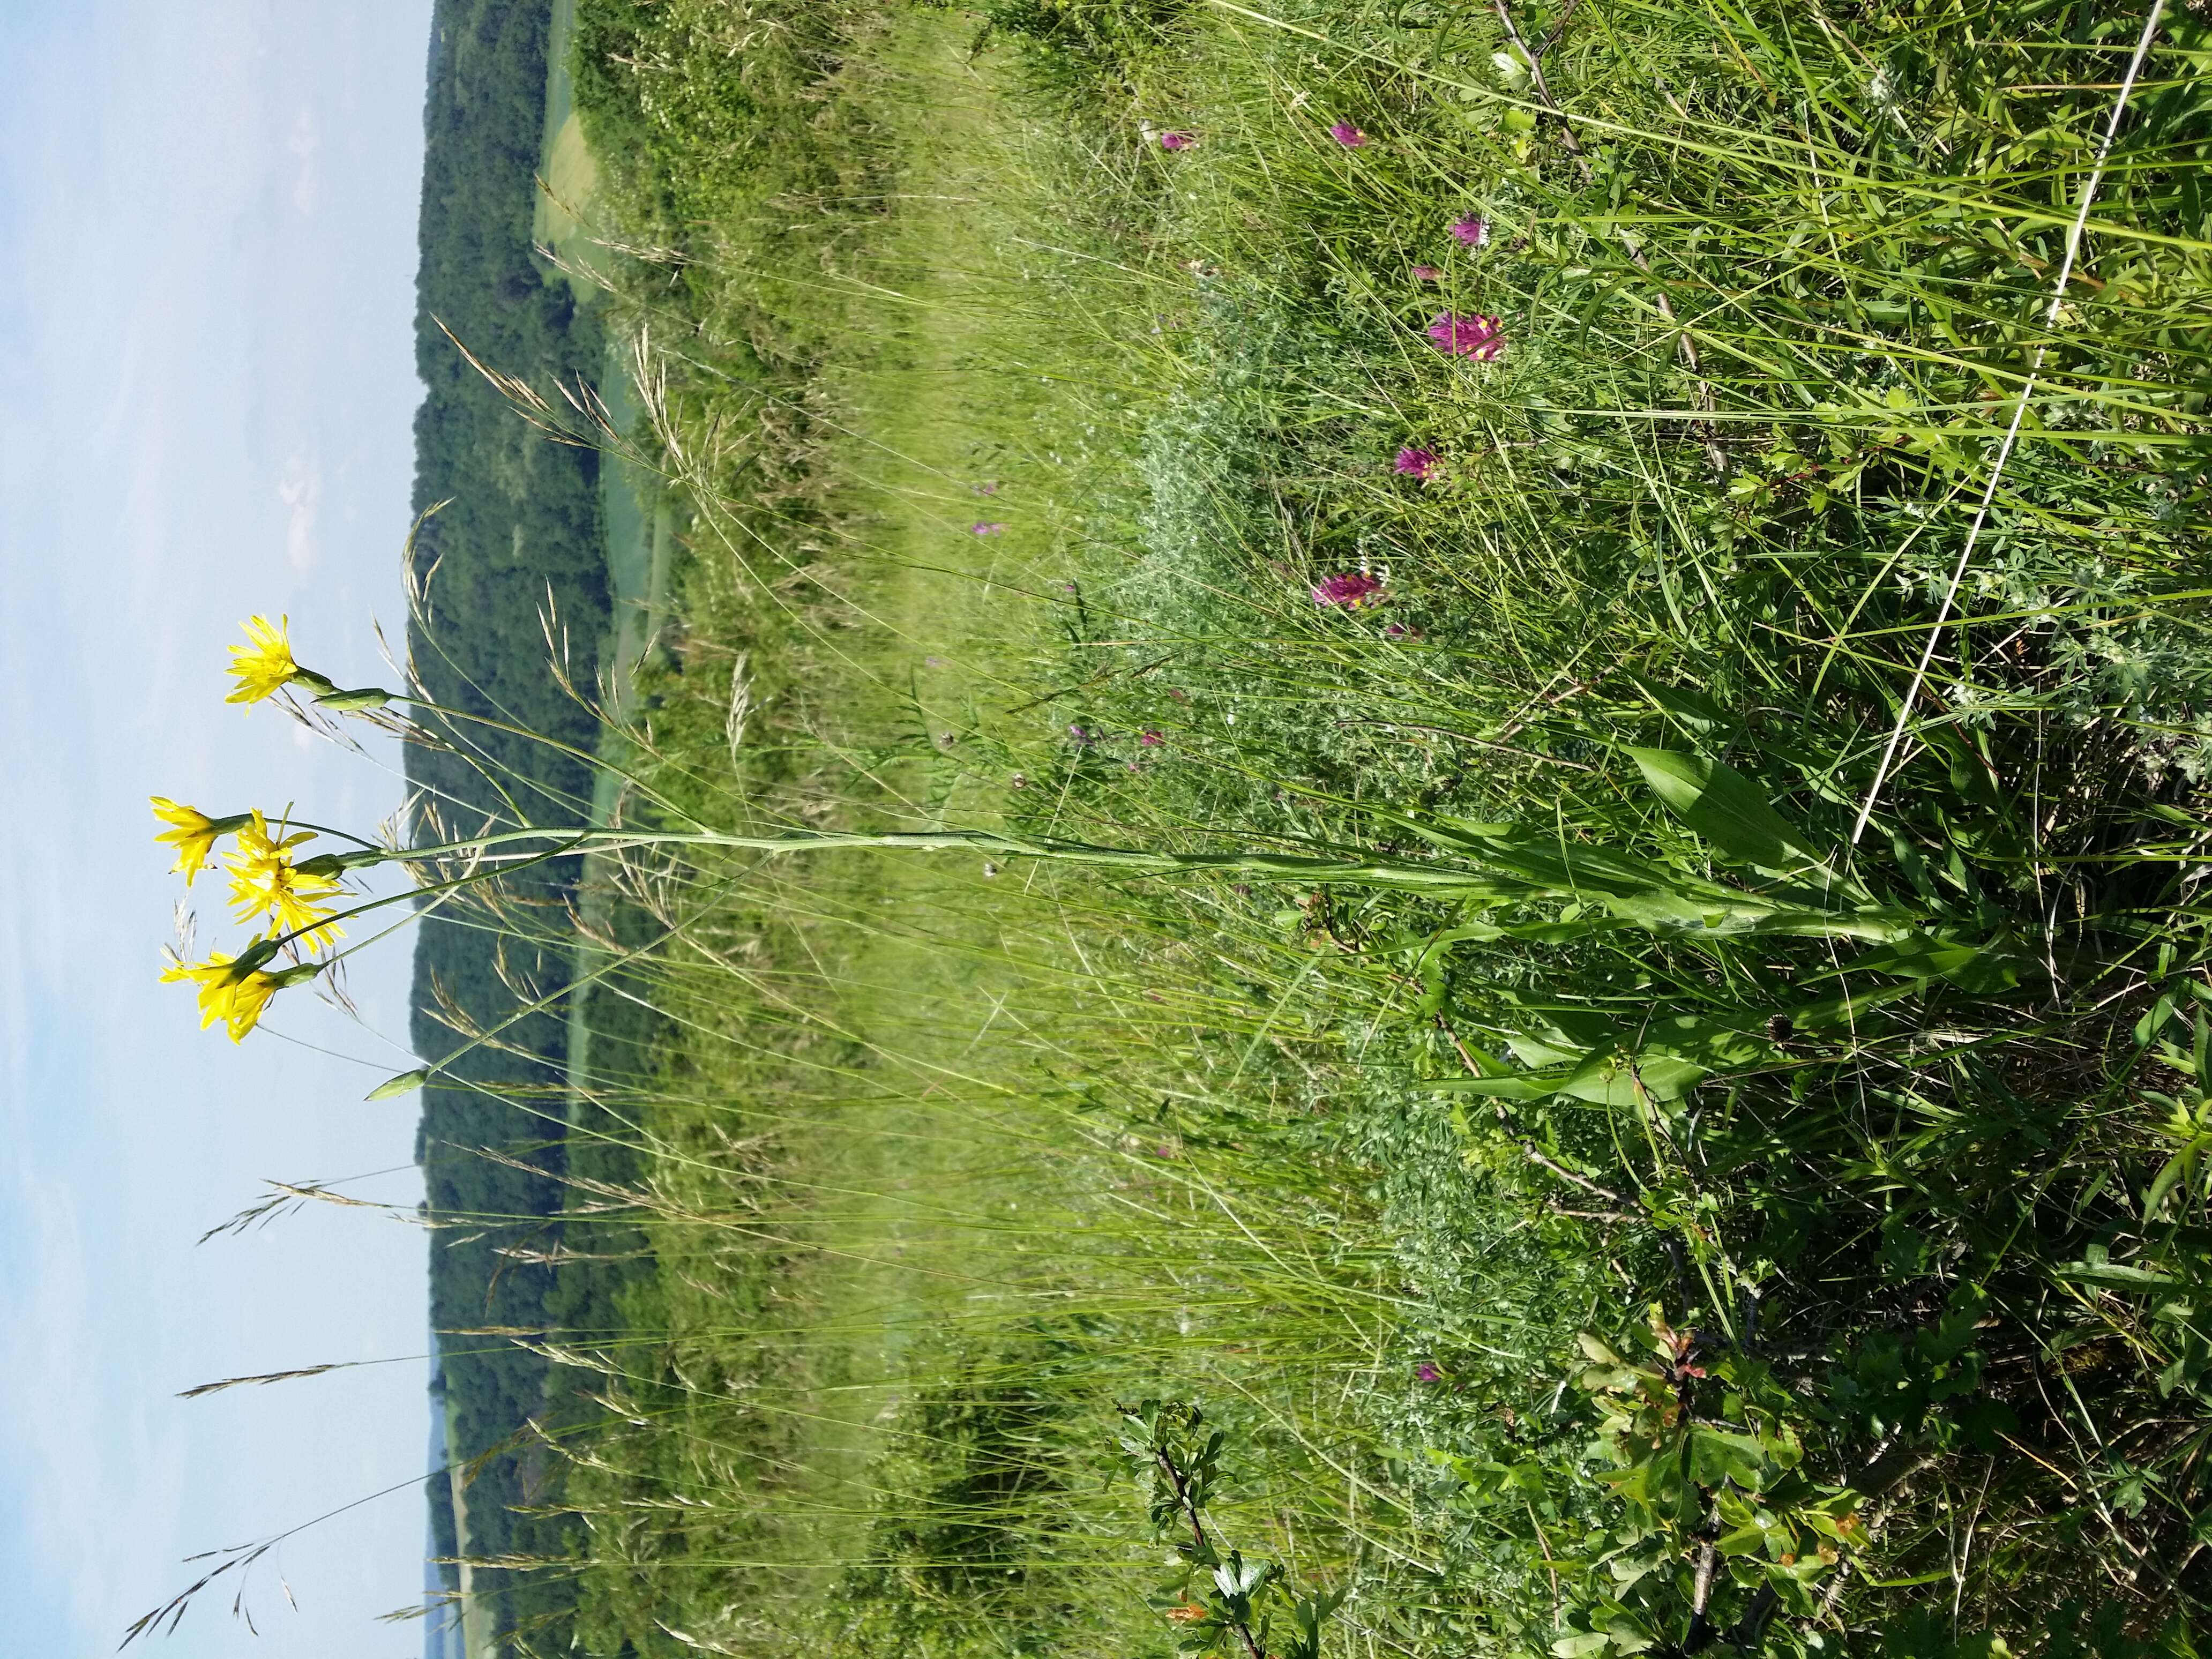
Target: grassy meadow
(1665,1106)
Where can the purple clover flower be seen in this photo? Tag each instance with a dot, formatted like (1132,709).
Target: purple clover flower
(1426,273)
(1482,338)
(1352,590)
(1471,231)
(1418,464)
(989,529)
(1151,738)
(1346,134)
(1428,1373)
(1176,141)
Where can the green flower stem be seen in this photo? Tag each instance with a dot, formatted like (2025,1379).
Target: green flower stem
(1693,905)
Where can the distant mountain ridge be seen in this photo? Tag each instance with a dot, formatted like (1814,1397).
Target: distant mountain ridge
(521,528)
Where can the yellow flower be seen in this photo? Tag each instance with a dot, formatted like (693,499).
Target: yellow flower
(264,881)
(192,833)
(236,999)
(263,667)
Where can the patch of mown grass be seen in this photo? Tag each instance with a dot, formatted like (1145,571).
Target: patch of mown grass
(1757,1199)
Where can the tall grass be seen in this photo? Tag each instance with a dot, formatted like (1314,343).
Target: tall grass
(1758,1201)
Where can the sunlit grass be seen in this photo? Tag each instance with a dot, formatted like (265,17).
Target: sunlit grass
(1758,1201)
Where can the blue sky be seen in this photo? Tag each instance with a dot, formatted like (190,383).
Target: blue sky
(207,253)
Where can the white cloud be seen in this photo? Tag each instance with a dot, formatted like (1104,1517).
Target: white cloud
(306,148)
(300,490)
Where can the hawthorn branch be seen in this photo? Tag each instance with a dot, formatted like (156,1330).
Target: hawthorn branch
(1178,1484)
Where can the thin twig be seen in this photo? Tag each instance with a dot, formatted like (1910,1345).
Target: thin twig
(1537,83)
(1565,1173)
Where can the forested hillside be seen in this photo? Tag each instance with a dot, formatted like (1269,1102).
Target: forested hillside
(514,544)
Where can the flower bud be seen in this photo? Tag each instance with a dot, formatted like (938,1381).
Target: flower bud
(351,703)
(329,866)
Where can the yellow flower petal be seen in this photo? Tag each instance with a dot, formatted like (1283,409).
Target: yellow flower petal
(237,1002)
(264,666)
(192,833)
(265,882)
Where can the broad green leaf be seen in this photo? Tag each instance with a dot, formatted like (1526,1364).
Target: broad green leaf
(1992,965)
(1687,1036)
(1523,1086)
(1844,1012)
(1692,708)
(1478,932)
(1549,864)
(2181,1164)
(1541,1051)
(1613,1078)
(1727,808)
(1628,1634)
(1719,1453)
(1744,1540)
(2112,1275)
(1559,933)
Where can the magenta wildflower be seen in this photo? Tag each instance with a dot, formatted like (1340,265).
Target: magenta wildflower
(1413,463)
(1482,338)
(1428,1373)
(992,529)
(1346,134)
(1081,734)
(1151,738)
(1400,631)
(1176,141)
(1426,273)
(1471,231)
(1351,589)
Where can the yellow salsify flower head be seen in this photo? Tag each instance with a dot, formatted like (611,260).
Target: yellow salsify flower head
(235,999)
(264,665)
(265,881)
(192,833)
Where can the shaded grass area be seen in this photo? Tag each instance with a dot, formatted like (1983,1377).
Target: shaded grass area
(1754,1199)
